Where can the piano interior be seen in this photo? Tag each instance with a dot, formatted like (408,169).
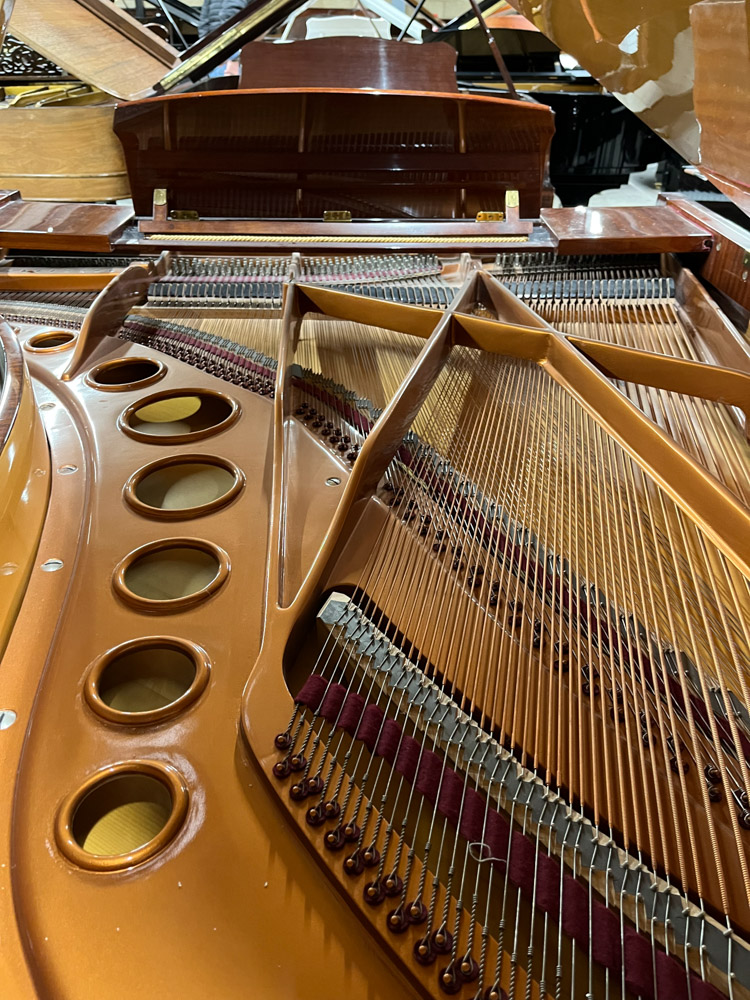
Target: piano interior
(375,598)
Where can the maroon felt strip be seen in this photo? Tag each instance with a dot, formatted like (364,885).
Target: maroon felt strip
(312,691)
(575,915)
(605,936)
(450,800)
(639,976)
(351,713)
(332,702)
(467,810)
(671,978)
(701,990)
(389,740)
(371,726)
(472,817)
(428,778)
(408,758)
(548,883)
(521,868)
(496,835)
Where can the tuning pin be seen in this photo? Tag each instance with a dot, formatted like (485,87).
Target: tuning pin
(442,940)
(354,865)
(281,768)
(334,839)
(332,809)
(713,775)
(393,885)
(351,832)
(536,638)
(450,979)
(298,791)
(314,785)
(515,616)
(495,992)
(371,857)
(374,893)
(424,953)
(315,815)
(397,921)
(562,657)
(468,968)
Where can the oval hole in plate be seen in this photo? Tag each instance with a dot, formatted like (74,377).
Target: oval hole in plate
(171,574)
(184,486)
(122,815)
(50,341)
(178,416)
(146,680)
(126,373)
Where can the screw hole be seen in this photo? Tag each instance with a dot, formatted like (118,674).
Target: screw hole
(7,718)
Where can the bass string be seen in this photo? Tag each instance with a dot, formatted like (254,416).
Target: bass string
(630,515)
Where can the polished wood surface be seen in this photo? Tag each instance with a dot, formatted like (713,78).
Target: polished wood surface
(58,226)
(624,230)
(102,52)
(390,236)
(90,531)
(24,473)
(11,382)
(68,154)
(282,154)
(344,562)
(23,279)
(727,266)
(721,92)
(682,66)
(325,524)
(363,63)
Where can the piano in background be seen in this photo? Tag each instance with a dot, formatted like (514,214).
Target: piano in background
(58,142)
(375,594)
(598,142)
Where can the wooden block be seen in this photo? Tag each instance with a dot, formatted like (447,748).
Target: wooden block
(40,225)
(656,229)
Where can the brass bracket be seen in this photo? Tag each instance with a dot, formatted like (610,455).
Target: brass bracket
(337,216)
(159,204)
(188,214)
(490,216)
(161,211)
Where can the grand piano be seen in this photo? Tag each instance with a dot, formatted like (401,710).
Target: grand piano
(375,601)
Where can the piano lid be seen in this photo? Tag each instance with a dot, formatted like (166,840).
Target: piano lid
(6,6)
(101,44)
(682,66)
(95,41)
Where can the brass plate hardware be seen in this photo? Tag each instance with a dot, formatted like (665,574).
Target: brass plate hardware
(337,216)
